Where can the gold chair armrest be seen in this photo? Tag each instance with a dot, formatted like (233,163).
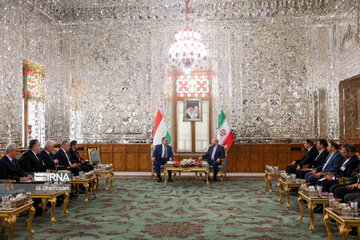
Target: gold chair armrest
(341,180)
(8,181)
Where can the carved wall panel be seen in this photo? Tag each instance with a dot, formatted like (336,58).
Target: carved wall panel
(346,35)
(350,110)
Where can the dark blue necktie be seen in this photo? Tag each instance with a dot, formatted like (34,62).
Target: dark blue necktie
(13,163)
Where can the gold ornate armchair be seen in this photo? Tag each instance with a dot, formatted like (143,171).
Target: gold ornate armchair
(94,158)
(221,168)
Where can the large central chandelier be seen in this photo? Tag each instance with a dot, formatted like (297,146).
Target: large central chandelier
(187,48)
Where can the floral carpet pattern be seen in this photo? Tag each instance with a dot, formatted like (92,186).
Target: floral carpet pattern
(140,208)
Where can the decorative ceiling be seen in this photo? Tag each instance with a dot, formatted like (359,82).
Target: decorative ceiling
(166,11)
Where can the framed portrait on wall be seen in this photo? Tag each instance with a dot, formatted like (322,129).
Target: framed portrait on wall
(192,110)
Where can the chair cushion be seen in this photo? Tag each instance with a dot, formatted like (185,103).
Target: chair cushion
(95,157)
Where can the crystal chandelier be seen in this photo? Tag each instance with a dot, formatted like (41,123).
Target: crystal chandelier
(187,48)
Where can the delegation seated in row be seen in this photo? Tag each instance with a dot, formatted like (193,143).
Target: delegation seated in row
(323,168)
(35,160)
(326,173)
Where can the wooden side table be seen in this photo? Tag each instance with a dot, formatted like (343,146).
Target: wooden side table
(268,178)
(9,216)
(287,185)
(311,203)
(108,174)
(344,224)
(52,198)
(86,183)
(186,169)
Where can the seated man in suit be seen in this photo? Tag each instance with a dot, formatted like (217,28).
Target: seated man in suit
(77,159)
(214,155)
(9,168)
(309,158)
(352,183)
(319,160)
(65,160)
(47,156)
(348,166)
(30,160)
(332,164)
(162,153)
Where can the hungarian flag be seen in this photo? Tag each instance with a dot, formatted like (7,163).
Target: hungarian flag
(225,135)
(160,129)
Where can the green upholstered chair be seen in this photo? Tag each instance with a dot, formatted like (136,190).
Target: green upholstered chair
(94,155)
(94,159)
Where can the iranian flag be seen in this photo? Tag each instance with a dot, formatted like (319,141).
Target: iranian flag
(160,129)
(225,135)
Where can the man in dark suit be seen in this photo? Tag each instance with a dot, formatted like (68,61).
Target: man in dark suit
(309,157)
(47,156)
(332,164)
(214,155)
(319,160)
(348,166)
(162,153)
(30,160)
(352,183)
(65,159)
(9,168)
(77,159)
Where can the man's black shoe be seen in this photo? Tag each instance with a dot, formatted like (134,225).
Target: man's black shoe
(353,232)
(170,180)
(72,195)
(159,180)
(215,180)
(59,202)
(294,190)
(294,193)
(318,209)
(38,211)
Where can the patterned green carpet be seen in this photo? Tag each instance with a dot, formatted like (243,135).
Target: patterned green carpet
(143,209)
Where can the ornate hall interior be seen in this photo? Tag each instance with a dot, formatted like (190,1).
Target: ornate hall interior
(263,78)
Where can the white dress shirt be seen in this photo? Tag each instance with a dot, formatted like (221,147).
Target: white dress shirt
(330,156)
(343,165)
(67,157)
